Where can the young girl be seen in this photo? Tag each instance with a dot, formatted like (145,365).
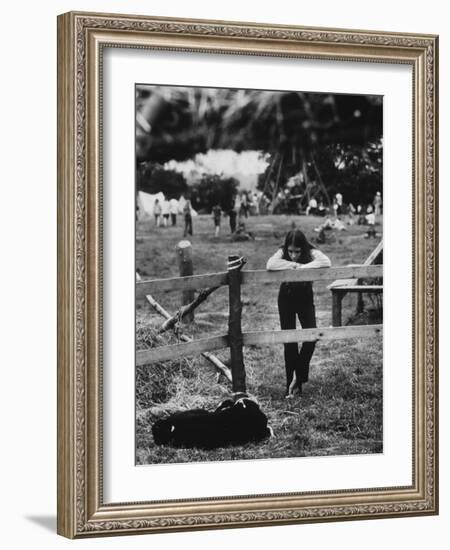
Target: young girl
(296,299)
(217,217)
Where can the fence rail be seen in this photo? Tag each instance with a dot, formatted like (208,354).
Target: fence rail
(175,351)
(269,337)
(235,339)
(262,337)
(197,282)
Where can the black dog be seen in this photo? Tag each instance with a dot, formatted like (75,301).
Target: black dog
(232,423)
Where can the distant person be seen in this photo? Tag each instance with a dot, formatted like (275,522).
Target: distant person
(335,207)
(340,203)
(250,204)
(335,223)
(311,209)
(244,205)
(326,230)
(187,211)
(351,214)
(321,209)
(327,224)
(279,205)
(377,202)
(296,299)
(181,204)
(157,212)
(255,203)
(264,204)
(361,215)
(217,217)
(237,205)
(232,215)
(241,233)
(173,207)
(165,208)
(370,218)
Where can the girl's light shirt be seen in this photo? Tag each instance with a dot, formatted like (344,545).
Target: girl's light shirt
(277,263)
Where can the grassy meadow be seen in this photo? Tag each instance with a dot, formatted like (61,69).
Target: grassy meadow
(340,410)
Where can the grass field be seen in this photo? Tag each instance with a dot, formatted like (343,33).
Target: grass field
(340,410)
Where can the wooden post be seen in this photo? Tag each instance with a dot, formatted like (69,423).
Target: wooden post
(234,327)
(360,303)
(185,266)
(337,307)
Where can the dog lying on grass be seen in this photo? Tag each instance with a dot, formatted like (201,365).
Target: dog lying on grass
(232,423)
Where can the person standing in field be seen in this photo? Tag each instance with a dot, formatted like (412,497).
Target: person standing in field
(296,299)
(377,201)
(244,205)
(233,215)
(370,218)
(181,204)
(187,211)
(157,212)
(339,203)
(217,217)
(165,207)
(173,204)
(255,202)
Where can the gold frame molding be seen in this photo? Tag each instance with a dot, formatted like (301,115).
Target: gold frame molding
(81,37)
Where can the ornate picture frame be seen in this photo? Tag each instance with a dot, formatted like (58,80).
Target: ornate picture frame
(82,40)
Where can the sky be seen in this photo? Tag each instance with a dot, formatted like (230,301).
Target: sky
(244,166)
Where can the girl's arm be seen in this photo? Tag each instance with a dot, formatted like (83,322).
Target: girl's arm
(319,259)
(276,262)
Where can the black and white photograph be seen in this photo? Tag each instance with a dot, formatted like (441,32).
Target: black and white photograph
(259,283)
(221,320)
(247,275)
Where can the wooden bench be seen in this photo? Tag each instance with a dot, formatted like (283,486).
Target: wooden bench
(341,287)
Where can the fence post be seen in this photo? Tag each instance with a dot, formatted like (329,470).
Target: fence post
(234,326)
(360,303)
(337,308)
(184,257)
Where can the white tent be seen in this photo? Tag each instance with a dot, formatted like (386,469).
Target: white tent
(181,205)
(145,203)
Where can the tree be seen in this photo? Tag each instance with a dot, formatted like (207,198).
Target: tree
(212,190)
(185,121)
(355,171)
(295,128)
(153,178)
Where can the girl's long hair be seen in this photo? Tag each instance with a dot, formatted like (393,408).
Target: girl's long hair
(297,238)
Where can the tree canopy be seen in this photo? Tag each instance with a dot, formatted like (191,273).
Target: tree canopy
(329,139)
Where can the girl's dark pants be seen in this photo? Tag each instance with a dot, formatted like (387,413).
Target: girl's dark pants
(297,300)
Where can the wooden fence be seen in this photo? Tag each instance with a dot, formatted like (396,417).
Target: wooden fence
(235,339)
